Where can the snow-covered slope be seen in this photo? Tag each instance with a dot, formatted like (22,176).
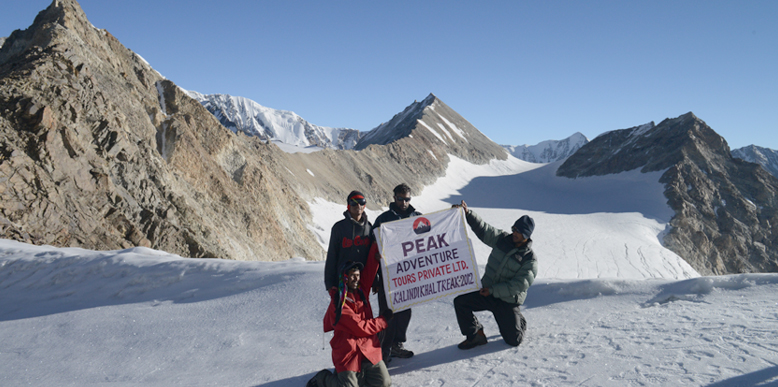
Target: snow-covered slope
(767,158)
(596,227)
(244,115)
(611,306)
(548,151)
(72,317)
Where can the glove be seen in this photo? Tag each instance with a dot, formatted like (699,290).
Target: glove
(387,314)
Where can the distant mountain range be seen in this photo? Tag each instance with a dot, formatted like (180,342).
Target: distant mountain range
(767,158)
(548,151)
(241,114)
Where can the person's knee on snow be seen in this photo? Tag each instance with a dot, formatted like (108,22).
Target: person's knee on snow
(511,268)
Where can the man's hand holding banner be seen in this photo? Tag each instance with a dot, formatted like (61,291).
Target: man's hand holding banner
(426,257)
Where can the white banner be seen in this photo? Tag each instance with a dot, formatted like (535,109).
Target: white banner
(426,257)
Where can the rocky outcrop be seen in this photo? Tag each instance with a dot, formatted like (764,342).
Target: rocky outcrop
(767,158)
(99,151)
(725,208)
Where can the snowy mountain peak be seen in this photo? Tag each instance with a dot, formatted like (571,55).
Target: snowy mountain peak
(401,125)
(722,206)
(432,124)
(767,158)
(548,151)
(241,114)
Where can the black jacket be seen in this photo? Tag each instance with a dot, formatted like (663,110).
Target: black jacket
(349,241)
(394,213)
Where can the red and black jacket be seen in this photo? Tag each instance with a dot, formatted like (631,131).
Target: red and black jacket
(349,241)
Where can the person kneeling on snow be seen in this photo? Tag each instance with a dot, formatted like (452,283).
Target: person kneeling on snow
(356,350)
(510,270)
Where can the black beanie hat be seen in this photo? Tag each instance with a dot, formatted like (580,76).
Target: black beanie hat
(524,225)
(346,267)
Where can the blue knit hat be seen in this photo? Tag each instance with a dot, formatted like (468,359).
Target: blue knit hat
(524,225)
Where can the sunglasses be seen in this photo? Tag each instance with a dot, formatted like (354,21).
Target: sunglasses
(360,201)
(402,199)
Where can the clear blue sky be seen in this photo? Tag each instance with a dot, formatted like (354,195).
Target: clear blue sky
(520,71)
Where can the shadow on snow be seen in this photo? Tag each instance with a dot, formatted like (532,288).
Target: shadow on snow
(542,191)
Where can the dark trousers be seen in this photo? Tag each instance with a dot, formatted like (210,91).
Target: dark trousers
(508,316)
(396,328)
(373,375)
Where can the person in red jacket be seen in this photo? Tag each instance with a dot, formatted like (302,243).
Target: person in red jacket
(356,350)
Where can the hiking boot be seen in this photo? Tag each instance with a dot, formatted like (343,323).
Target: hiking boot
(478,339)
(312,382)
(399,351)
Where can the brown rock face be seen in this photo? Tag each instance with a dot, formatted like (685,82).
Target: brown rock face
(726,209)
(99,151)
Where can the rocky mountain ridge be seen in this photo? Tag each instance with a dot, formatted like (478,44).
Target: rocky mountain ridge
(725,208)
(247,116)
(548,151)
(98,150)
(406,149)
(437,126)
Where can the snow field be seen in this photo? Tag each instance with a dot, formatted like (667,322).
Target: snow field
(611,306)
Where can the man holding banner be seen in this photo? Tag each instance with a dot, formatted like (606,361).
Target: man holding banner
(394,336)
(356,351)
(510,270)
(426,257)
